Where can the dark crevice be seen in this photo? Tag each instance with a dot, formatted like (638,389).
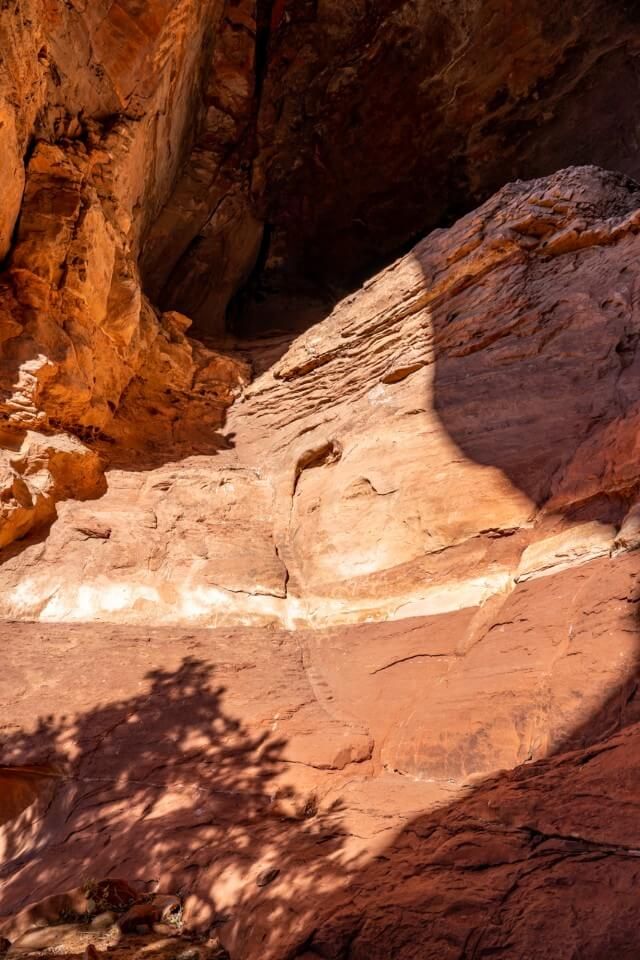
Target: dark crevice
(264,19)
(28,154)
(252,290)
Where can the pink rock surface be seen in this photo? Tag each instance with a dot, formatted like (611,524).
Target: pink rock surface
(369,803)
(328,644)
(462,424)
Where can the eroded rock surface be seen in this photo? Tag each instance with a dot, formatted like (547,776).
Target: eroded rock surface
(374,687)
(326,644)
(378,120)
(302,793)
(464,423)
(97,104)
(251,132)
(229,153)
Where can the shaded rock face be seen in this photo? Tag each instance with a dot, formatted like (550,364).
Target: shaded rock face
(371,123)
(328,642)
(375,122)
(379,121)
(257,142)
(376,667)
(501,352)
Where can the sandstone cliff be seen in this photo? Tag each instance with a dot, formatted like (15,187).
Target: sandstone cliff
(319,625)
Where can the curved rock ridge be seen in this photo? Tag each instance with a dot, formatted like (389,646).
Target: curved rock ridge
(321,644)
(462,424)
(370,667)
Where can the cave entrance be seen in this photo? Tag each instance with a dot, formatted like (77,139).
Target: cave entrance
(261,310)
(236,290)
(276,299)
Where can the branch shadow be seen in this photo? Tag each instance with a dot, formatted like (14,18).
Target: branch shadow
(536,862)
(167,789)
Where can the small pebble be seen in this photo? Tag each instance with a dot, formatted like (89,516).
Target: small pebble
(267,877)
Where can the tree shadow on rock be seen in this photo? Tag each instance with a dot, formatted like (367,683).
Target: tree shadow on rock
(169,791)
(536,376)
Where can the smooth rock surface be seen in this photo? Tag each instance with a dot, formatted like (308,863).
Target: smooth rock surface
(465,422)
(327,642)
(259,752)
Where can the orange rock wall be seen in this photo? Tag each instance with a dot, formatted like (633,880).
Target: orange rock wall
(330,632)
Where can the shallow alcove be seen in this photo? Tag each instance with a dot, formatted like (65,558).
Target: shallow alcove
(355,130)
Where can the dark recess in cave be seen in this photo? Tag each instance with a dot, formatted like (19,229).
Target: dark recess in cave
(370,129)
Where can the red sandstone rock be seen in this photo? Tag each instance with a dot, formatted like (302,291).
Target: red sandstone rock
(367,685)
(83,350)
(383,469)
(219,796)
(362,426)
(230,115)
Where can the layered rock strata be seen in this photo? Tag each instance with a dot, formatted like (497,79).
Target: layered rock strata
(326,643)
(461,425)
(374,687)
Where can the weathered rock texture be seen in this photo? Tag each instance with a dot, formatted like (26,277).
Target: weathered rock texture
(257,773)
(369,123)
(379,119)
(334,638)
(497,360)
(230,154)
(261,134)
(98,101)
(373,692)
